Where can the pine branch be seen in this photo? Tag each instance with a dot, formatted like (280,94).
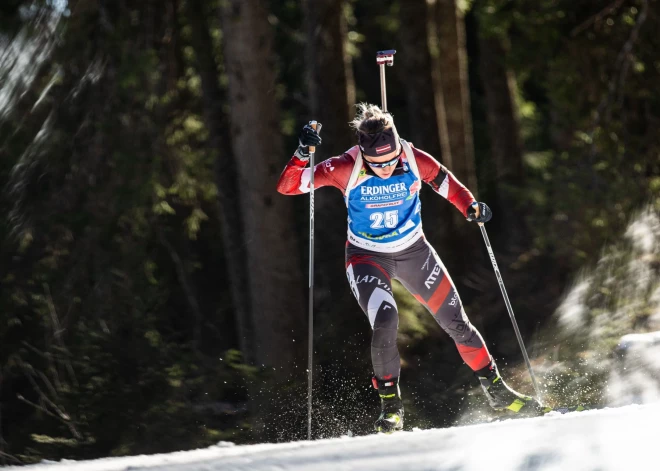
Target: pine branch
(610,9)
(622,64)
(10,457)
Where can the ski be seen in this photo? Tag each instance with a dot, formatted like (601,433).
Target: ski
(567,409)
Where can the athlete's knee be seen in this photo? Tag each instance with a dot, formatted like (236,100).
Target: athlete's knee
(464,334)
(454,321)
(380,308)
(384,319)
(383,310)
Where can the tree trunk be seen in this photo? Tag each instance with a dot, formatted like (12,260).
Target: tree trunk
(504,135)
(331,96)
(455,88)
(331,86)
(227,177)
(425,110)
(503,126)
(415,62)
(275,284)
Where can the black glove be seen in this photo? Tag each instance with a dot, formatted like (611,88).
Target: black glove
(308,137)
(484,213)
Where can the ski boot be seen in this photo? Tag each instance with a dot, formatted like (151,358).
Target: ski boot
(391,415)
(501,396)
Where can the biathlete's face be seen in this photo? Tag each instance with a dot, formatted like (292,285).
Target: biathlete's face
(384,165)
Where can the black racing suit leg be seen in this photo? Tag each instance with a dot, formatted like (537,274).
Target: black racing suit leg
(423,274)
(369,275)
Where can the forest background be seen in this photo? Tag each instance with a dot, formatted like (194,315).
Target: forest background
(154,283)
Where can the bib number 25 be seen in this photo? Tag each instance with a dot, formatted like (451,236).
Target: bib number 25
(388,219)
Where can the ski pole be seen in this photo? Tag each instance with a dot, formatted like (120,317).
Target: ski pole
(510,309)
(310,322)
(384,58)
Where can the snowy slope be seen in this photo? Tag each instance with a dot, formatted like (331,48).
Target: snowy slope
(625,438)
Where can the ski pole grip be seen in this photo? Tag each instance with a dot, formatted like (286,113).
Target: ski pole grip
(314,125)
(384,58)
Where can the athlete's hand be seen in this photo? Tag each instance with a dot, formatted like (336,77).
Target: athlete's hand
(479,212)
(310,136)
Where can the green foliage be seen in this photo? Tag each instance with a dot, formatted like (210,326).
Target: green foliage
(96,340)
(580,96)
(415,321)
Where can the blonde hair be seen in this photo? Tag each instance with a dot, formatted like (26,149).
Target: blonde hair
(370,119)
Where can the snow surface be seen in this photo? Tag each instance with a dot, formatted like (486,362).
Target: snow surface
(624,438)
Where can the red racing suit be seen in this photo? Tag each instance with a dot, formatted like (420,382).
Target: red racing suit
(336,172)
(417,266)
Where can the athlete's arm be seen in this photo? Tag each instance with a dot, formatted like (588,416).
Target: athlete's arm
(443,181)
(295,178)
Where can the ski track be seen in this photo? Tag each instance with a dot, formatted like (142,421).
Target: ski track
(624,438)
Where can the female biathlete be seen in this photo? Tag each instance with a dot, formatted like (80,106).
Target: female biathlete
(380,179)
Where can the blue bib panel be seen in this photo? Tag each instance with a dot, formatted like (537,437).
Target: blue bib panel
(384,215)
